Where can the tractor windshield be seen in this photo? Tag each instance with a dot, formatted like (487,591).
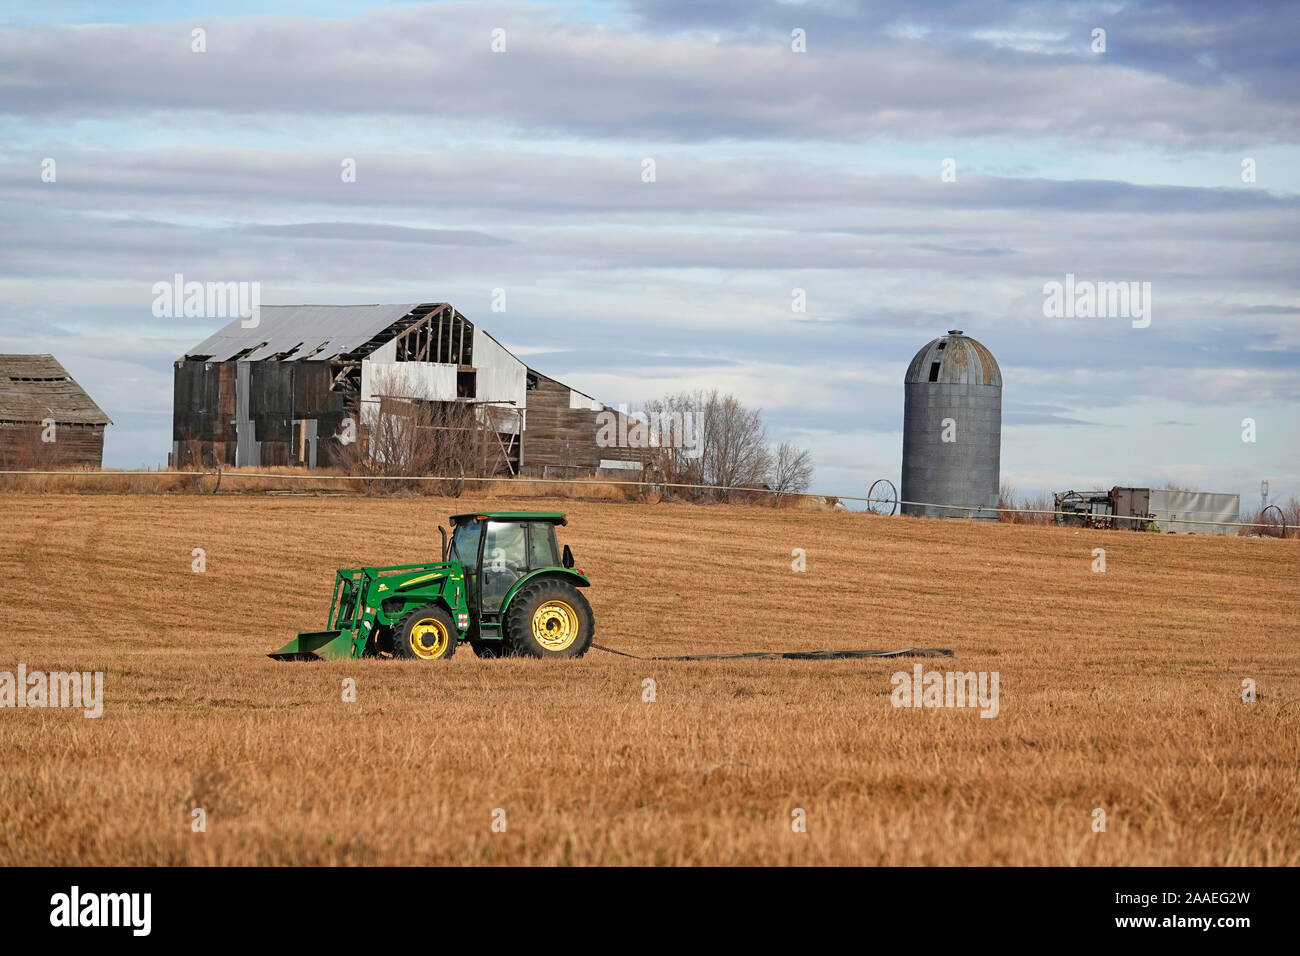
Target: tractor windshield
(464,543)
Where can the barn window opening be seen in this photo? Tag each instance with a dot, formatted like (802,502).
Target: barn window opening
(934,371)
(465,384)
(34,378)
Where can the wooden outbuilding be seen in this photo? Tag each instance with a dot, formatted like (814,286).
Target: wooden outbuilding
(46,419)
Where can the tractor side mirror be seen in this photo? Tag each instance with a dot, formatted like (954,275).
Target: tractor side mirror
(567,559)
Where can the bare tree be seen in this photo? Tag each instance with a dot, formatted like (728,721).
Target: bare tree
(791,469)
(676,453)
(726,443)
(735,444)
(403,431)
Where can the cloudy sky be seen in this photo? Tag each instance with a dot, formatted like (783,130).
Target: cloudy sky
(775,169)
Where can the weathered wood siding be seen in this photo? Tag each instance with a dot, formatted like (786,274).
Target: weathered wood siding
(74,446)
(280,396)
(561,438)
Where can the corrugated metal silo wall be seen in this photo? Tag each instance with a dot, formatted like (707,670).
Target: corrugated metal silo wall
(961,472)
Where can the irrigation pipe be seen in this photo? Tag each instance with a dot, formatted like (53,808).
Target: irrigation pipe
(978,509)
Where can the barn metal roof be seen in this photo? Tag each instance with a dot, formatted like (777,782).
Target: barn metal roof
(35,387)
(960,360)
(313,332)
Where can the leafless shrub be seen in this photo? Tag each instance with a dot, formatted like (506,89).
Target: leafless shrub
(730,451)
(1035,510)
(1006,499)
(790,470)
(1292,513)
(1272,521)
(404,432)
(680,463)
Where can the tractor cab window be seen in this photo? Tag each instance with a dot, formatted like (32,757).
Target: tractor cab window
(505,559)
(464,543)
(543,551)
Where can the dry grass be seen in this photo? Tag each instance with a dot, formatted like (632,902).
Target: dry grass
(302,481)
(1119,690)
(95,481)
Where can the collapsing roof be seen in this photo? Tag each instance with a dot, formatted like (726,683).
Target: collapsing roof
(344,335)
(36,387)
(313,332)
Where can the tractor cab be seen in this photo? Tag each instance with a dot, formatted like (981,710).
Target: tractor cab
(505,553)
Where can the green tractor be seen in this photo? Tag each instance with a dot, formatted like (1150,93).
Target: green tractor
(502,584)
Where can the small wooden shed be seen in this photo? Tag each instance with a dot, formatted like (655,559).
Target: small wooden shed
(46,419)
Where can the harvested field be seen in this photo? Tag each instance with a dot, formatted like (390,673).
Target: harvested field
(1119,690)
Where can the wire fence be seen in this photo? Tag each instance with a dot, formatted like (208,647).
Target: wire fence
(979,510)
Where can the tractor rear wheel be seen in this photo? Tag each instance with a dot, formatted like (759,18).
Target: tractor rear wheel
(550,618)
(427,633)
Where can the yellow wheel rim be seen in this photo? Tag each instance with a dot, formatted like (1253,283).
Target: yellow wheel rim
(429,638)
(555,625)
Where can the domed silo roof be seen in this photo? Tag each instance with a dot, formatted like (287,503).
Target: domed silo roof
(954,359)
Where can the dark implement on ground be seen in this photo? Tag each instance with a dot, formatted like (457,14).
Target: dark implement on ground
(826,655)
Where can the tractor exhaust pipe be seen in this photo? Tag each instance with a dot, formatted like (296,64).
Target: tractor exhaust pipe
(443,531)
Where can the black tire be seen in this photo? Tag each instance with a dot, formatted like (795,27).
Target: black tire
(489,649)
(381,643)
(412,639)
(561,606)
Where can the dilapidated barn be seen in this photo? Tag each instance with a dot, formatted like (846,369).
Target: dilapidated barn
(46,419)
(293,387)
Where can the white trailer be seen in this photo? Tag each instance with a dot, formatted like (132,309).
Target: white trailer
(1181,511)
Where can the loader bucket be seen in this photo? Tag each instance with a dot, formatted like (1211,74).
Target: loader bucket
(316,646)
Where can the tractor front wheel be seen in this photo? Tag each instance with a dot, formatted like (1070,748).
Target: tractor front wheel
(427,633)
(550,619)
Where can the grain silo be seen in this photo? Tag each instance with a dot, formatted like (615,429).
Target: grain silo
(952,429)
